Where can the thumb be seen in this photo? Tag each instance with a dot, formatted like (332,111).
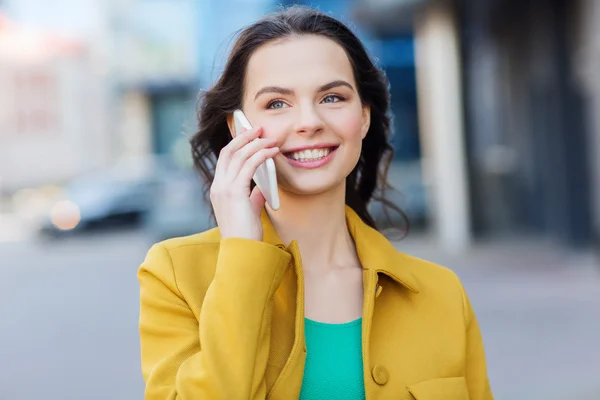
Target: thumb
(257,199)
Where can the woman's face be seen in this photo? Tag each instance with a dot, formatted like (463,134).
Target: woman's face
(302,91)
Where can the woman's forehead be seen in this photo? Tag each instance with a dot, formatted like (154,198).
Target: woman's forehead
(298,61)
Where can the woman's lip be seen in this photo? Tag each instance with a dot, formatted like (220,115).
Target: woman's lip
(314,163)
(311,147)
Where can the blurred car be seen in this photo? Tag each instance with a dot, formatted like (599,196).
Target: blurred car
(107,198)
(179,207)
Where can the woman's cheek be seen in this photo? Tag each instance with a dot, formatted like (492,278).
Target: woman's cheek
(271,127)
(274,129)
(348,125)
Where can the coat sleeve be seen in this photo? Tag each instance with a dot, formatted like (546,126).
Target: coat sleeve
(222,354)
(476,370)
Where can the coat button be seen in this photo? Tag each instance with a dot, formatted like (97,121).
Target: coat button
(378,291)
(380,374)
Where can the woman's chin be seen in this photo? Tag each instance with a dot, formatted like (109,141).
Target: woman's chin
(311,188)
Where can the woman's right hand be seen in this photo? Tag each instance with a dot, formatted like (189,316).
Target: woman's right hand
(237,211)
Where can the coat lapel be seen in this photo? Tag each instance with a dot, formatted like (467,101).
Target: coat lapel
(287,352)
(377,253)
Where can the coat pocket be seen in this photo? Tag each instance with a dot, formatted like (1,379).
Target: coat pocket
(440,389)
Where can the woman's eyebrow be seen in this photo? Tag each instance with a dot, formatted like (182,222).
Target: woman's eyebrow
(274,89)
(286,91)
(334,84)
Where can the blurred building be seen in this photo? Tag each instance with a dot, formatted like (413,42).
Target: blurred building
(509,146)
(153,53)
(122,86)
(587,59)
(163,53)
(51,109)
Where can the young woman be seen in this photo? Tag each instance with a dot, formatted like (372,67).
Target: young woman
(309,301)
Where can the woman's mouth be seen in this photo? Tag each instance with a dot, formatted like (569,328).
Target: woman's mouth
(311,158)
(310,155)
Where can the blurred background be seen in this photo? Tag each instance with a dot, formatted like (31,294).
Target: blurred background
(496,109)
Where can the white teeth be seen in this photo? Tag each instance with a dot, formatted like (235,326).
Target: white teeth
(310,155)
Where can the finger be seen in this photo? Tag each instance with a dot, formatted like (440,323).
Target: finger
(253,162)
(236,143)
(242,155)
(241,140)
(257,199)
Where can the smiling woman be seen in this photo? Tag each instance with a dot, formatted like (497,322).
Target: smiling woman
(309,301)
(306,100)
(330,68)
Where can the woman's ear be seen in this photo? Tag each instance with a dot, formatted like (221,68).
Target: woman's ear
(366,113)
(231,125)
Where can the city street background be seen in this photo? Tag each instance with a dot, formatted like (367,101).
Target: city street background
(496,132)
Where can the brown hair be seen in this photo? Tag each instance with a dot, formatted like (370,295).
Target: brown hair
(368,180)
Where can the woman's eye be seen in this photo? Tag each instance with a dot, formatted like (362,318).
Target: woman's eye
(276,104)
(332,98)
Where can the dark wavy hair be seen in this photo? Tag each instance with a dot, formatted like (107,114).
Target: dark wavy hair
(368,180)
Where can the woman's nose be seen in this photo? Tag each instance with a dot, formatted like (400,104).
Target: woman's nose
(308,122)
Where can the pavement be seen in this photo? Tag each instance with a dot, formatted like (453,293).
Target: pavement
(69,310)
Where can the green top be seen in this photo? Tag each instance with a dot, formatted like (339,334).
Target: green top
(334,367)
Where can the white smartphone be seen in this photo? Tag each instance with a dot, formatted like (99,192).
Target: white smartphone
(265,176)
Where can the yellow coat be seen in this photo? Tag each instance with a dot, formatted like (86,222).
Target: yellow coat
(224,319)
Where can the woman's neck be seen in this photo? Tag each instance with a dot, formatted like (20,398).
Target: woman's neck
(318,224)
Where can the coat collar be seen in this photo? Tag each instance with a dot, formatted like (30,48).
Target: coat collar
(374,250)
